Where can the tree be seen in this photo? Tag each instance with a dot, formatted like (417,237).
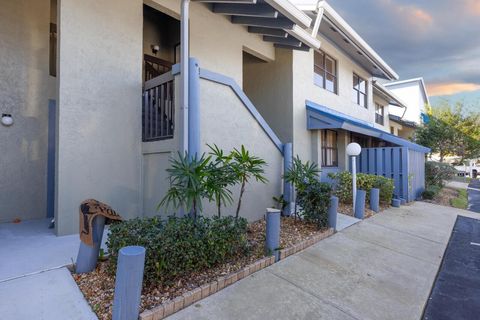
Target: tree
(221,176)
(451,132)
(188,183)
(301,175)
(246,167)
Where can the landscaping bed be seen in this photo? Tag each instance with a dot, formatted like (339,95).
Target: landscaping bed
(348,210)
(98,286)
(450,197)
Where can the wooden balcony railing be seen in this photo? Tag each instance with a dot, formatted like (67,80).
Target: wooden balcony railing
(158,113)
(155,67)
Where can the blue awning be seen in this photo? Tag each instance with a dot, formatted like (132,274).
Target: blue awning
(321,117)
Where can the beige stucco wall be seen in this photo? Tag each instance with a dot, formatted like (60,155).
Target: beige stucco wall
(25,88)
(227,123)
(269,87)
(100,85)
(215,41)
(411,95)
(304,88)
(386,110)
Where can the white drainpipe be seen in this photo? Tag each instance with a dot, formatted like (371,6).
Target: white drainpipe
(184,72)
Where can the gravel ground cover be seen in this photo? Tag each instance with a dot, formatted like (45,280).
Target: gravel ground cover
(98,286)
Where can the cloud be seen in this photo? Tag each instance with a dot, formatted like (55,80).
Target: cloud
(445,89)
(412,14)
(439,40)
(472,7)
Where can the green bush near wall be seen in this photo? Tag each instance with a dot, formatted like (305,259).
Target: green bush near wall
(343,186)
(314,199)
(179,246)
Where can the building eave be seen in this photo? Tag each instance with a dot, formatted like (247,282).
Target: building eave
(387,95)
(333,18)
(413,80)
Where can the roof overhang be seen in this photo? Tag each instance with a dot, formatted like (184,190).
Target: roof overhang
(277,21)
(420,81)
(387,95)
(320,117)
(404,123)
(334,28)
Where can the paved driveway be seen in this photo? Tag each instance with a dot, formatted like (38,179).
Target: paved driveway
(382,268)
(474,196)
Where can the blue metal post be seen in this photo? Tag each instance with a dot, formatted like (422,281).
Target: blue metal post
(375,199)
(88,255)
(184,70)
(128,283)
(360,204)
(287,186)
(332,212)
(396,203)
(194,108)
(272,232)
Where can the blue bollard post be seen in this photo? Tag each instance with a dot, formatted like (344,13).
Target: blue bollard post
(332,212)
(88,256)
(128,283)
(272,232)
(375,199)
(360,204)
(287,186)
(396,203)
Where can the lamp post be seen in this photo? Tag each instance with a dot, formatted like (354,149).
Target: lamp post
(353,150)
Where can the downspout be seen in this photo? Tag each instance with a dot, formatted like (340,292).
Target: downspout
(184,72)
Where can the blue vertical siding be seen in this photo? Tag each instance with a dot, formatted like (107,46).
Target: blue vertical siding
(405,166)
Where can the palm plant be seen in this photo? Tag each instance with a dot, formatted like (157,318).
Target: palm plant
(187,176)
(246,167)
(220,177)
(301,175)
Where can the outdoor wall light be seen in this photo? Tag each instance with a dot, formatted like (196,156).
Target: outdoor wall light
(353,150)
(7,119)
(155,48)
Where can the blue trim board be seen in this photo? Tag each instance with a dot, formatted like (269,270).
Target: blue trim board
(321,117)
(227,81)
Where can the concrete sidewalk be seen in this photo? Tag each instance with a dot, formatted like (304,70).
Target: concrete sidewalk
(382,268)
(49,295)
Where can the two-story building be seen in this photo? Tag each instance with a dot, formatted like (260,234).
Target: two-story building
(100,102)
(414,94)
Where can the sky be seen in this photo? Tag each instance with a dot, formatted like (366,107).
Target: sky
(435,39)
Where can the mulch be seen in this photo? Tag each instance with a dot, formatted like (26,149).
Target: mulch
(444,197)
(98,286)
(348,209)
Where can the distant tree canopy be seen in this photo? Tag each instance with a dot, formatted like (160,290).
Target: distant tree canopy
(451,132)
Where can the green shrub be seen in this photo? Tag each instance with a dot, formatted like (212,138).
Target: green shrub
(461,201)
(343,186)
(179,246)
(431,192)
(314,200)
(436,173)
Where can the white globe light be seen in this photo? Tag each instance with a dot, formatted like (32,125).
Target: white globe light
(7,120)
(353,149)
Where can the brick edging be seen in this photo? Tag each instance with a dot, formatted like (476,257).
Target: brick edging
(283,253)
(188,298)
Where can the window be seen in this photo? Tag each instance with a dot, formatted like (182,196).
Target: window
(325,71)
(359,91)
(329,148)
(379,114)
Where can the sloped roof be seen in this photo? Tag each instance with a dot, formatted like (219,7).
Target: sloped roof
(321,117)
